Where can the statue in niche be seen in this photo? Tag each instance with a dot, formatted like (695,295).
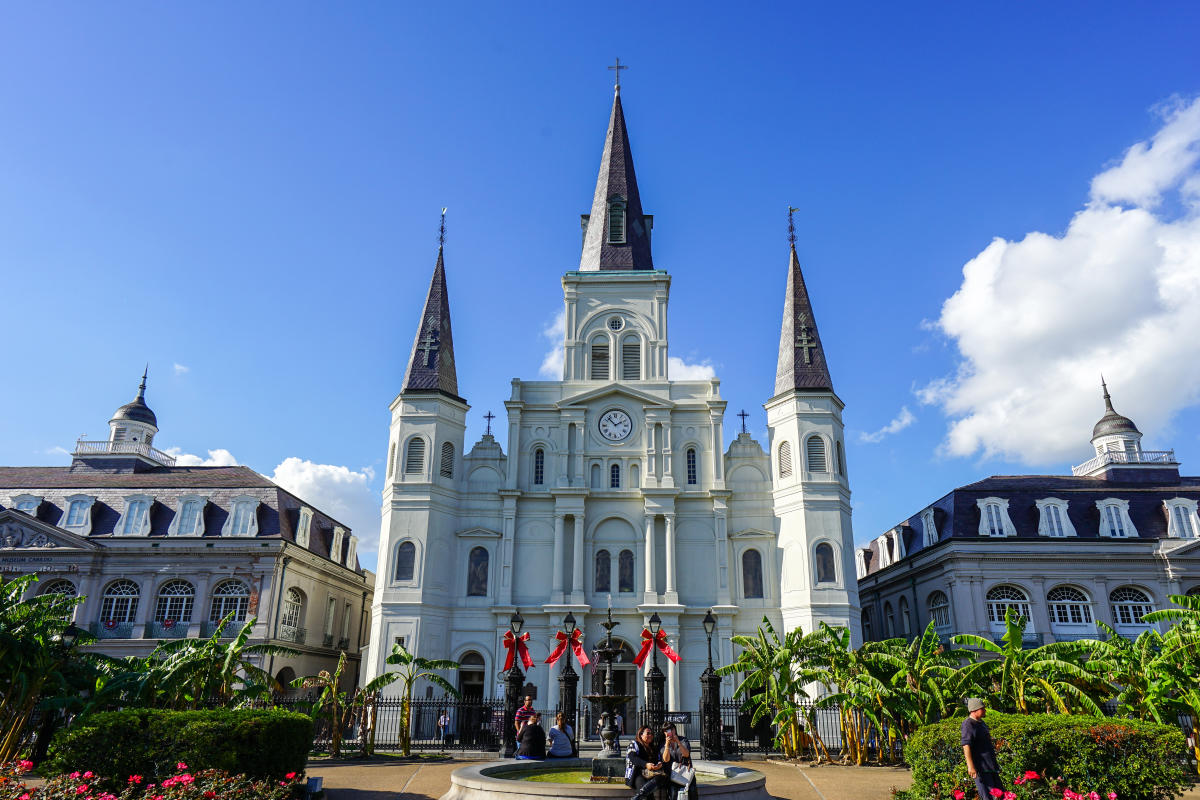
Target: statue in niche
(477,573)
(603,572)
(625,571)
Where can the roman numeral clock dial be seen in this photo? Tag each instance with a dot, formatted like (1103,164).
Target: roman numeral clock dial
(615,425)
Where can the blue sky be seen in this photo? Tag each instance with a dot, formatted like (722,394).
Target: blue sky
(247,198)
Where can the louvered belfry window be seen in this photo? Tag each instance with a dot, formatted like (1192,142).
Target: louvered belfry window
(816,454)
(785,460)
(447,470)
(414,459)
(616,223)
(631,360)
(600,361)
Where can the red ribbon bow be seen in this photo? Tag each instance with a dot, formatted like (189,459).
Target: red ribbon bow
(518,643)
(575,642)
(659,641)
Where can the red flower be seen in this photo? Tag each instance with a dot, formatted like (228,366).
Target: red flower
(996,792)
(291,775)
(181,766)
(958,794)
(135,778)
(1010,796)
(24,766)
(210,794)
(1030,775)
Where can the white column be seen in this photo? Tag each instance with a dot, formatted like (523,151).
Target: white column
(651,594)
(514,447)
(577,576)
(673,674)
(200,605)
(718,451)
(672,595)
(668,480)
(556,585)
(506,546)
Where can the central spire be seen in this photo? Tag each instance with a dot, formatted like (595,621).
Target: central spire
(616,234)
(802,366)
(431,363)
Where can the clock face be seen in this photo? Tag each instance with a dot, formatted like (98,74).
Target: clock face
(615,425)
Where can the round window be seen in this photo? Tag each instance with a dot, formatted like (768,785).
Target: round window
(615,323)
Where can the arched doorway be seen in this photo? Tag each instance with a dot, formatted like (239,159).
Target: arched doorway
(471,675)
(283,681)
(468,725)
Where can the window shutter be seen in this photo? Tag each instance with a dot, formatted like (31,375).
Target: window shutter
(414,462)
(600,362)
(631,361)
(447,470)
(816,454)
(785,460)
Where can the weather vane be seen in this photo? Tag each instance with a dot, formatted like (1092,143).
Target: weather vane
(617,69)
(442,230)
(792,226)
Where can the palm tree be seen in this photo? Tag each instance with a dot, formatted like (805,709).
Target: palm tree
(921,671)
(412,669)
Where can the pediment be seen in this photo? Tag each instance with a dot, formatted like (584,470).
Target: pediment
(478,533)
(752,533)
(1177,547)
(645,398)
(19,531)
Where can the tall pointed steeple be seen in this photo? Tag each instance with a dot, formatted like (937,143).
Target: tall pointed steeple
(431,364)
(802,364)
(616,234)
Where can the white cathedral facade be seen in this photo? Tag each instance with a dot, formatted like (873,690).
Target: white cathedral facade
(614,486)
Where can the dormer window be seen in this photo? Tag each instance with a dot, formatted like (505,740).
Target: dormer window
(1114,518)
(79,514)
(189,521)
(616,222)
(243,517)
(1053,520)
(136,519)
(351,549)
(303,527)
(28,503)
(1181,518)
(929,527)
(335,547)
(993,517)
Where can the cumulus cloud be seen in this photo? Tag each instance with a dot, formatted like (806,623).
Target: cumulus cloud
(680,370)
(180,369)
(346,495)
(902,421)
(216,458)
(1036,321)
(555,331)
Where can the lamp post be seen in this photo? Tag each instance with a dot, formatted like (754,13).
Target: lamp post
(710,700)
(568,679)
(655,681)
(514,681)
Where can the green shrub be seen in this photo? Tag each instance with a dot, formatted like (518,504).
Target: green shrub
(1135,759)
(261,744)
(183,785)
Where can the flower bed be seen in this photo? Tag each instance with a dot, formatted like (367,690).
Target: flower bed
(211,784)
(1043,756)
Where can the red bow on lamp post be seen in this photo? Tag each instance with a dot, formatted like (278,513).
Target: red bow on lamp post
(659,641)
(517,643)
(575,642)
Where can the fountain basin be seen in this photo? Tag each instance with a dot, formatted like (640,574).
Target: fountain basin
(518,780)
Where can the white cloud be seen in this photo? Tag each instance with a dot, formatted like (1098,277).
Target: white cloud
(680,370)
(216,458)
(902,421)
(344,494)
(56,451)
(180,369)
(552,364)
(1036,321)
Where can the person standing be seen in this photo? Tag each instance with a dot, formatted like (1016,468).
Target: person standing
(524,714)
(979,751)
(443,726)
(619,724)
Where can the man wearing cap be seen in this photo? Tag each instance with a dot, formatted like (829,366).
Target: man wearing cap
(979,751)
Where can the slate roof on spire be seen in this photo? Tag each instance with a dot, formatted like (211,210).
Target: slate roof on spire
(138,411)
(431,363)
(616,182)
(802,364)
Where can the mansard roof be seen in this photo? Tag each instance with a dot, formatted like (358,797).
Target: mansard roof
(431,362)
(802,365)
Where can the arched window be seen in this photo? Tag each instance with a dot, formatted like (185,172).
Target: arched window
(291,615)
(691,466)
(391,465)
(785,460)
(752,576)
(406,561)
(596,476)
(174,605)
(60,586)
(889,620)
(1194,591)
(631,359)
(841,459)
(599,370)
(477,572)
(905,618)
(447,470)
(625,571)
(539,467)
(1002,598)
(471,675)
(1129,605)
(414,459)
(814,447)
(1068,606)
(939,610)
(614,476)
(603,571)
(826,569)
(119,603)
(865,618)
(229,597)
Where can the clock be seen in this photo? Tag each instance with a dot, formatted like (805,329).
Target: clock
(615,425)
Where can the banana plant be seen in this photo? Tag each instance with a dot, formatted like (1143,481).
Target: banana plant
(413,669)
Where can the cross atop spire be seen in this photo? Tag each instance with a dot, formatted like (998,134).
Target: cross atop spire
(802,365)
(616,68)
(792,227)
(431,362)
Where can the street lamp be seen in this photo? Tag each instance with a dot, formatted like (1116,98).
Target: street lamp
(655,680)
(568,678)
(569,624)
(514,681)
(710,699)
(710,625)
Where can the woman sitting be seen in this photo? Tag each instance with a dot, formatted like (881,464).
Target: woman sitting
(562,739)
(531,741)
(643,763)
(678,750)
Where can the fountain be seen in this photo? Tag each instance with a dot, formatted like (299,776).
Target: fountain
(610,762)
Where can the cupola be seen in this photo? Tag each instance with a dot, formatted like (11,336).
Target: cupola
(134,421)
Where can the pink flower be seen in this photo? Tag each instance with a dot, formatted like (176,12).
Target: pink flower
(24,796)
(76,776)
(1010,796)
(291,775)
(1018,781)
(89,774)
(996,792)
(1112,796)
(1030,775)
(24,766)
(81,788)
(958,794)
(135,778)
(181,765)
(1093,796)
(210,794)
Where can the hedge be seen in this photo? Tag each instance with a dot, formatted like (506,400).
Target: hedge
(261,744)
(1133,758)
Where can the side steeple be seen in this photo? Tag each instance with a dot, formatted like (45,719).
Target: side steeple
(616,235)
(431,363)
(802,365)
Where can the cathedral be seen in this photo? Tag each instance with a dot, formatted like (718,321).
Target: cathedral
(613,487)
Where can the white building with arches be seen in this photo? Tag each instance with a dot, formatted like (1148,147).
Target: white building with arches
(1109,543)
(614,484)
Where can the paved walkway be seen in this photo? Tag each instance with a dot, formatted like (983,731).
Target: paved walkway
(388,780)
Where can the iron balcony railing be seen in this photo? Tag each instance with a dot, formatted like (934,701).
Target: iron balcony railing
(167,629)
(85,448)
(327,640)
(344,643)
(1165,457)
(290,634)
(111,629)
(209,627)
